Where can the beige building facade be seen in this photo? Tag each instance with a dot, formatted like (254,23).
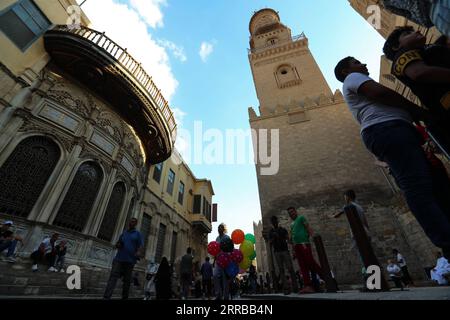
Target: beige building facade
(321,154)
(178,206)
(82,130)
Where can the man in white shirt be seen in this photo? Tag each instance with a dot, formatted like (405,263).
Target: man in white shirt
(441,273)
(386,120)
(46,253)
(407,280)
(395,273)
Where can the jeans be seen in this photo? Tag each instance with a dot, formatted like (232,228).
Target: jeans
(119,269)
(221,285)
(407,280)
(284,261)
(59,264)
(398,144)
(10,245)
(47,258)
(397,281)
(186,281)
(207,287)
(440,15)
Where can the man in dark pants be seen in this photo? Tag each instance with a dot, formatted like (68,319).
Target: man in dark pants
(186,271)
(130,249)
(401,262)
(278,239)
(387,131)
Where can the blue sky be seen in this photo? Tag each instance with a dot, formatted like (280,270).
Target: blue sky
(217,88)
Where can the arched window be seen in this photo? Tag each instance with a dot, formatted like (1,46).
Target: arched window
(77,205)
(24,174)
(112,212)
(130,211)
(286,76)
(272,41)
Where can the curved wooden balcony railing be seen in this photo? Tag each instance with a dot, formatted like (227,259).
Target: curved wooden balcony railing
(135,69)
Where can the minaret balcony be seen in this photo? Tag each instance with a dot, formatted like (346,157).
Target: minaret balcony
(277,44)
(110,71)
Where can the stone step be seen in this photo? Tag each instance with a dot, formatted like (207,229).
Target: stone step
(18,280)
(16,290)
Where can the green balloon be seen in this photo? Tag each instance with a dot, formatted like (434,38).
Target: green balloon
(250,238)
(253,256)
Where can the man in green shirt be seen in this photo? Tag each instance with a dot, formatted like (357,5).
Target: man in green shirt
(300,234)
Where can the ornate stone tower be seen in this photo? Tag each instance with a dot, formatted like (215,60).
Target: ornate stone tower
(283,68)
(320,150)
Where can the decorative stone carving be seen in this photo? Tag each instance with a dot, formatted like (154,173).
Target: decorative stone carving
(89,153)
(98,253)
(41,128)
(131,145)
(60,93)
(23,113)
(103,143)
(111,124)
(60,118)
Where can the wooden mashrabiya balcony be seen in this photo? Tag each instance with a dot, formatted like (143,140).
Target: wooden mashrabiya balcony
(111,72)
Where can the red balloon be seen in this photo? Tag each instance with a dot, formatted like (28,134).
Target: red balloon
(223,260)
(237,256)
(237,236)
(213,248)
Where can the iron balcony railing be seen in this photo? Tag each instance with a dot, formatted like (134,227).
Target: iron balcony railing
(277,44)
(126,61)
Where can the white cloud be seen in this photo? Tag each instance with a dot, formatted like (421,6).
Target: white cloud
(150,11)
(176,50)
(206,48)
(124,25)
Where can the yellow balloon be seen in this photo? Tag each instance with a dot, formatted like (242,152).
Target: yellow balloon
(245,264)
(247,248)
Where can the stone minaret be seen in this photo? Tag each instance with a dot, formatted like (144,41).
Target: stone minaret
(320,150)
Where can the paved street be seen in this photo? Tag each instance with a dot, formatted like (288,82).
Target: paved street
(429,293)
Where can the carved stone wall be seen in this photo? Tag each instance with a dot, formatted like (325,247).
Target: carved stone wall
(85,128)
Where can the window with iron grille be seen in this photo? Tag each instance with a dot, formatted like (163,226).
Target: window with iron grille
(173,250)
(170,181)
(181,193)
(25,173)
(160,243)
(130,212)
(77,205)
(23,23)
(145,228)
(157,172)
(197,204)
(112,213)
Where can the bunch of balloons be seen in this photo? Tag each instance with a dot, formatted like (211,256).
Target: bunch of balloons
(229,258)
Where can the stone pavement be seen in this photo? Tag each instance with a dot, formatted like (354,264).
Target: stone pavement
(427,293)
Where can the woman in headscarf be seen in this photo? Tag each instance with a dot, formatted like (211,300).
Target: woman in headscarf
(163,281)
